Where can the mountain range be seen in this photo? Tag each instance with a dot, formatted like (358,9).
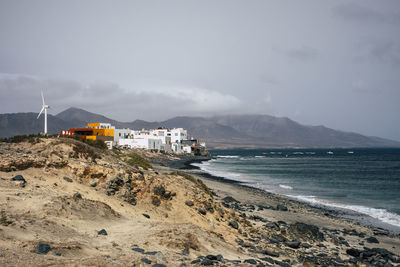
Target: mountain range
(227,131)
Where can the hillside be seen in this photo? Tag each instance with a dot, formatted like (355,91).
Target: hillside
(247,131)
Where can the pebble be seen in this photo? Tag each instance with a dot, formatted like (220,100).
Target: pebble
(146,215)
(234,224)
(102,232)
(145,260)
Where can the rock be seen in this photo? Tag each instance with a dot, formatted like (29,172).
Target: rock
(306,232)
(267,259)
(19,178)
(159,190)
(250,261)
(202,211)
(293,244)
(353,252)
(207,262)
(42,248)
(229,199)
(146,215)
(234,224)
(159,256)
(102,232)
(69,180)
(195,261)
(22,184)
(281,208)
(189,203)
(145,260)
(270,253)
(372,240)
(305,245)
(92,183)
(155,201)
(185,252)
(140,250)
(77,196)
(279,238)
(272,225)
(159,265)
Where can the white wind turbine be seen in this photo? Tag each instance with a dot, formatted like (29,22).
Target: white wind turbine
(44,107)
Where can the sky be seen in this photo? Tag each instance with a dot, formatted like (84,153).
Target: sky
(334,63)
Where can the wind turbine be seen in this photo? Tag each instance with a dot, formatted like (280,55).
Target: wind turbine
(44,107)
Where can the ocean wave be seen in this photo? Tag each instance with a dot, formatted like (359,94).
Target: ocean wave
(381,214)
(259,156)
(286,186)
(227,156)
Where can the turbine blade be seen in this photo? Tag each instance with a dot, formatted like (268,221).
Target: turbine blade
(43,98)
(40,112)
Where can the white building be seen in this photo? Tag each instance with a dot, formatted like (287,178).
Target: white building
(157,139)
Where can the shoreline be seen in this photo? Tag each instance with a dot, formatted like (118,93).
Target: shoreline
(342,213)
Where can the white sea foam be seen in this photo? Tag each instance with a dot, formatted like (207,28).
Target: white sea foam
(380,214)
(286,186)
(227,156)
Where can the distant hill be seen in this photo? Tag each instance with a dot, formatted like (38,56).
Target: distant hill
(220,131)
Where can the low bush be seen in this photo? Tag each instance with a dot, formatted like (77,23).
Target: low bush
(137,160)
(194,180)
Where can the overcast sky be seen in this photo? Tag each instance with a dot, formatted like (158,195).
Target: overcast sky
(333,63)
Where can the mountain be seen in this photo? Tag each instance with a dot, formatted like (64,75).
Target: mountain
(27,123)
(249,131)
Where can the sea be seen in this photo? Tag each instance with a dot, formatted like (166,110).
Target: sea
(365,181)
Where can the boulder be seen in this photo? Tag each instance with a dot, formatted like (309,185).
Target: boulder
(293,244)
(281,208)
(69,180)
(77,196)
(92,183)
(306,232)
(234,224)
(42,248)
(19,178)
(372,239)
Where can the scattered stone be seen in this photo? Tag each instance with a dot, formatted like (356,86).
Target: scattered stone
(229,199)
(353,252)
(22,184)
(92,183)
(102,232)
(155,201)
(159,256)
(273,226)
(281,208)
(372,240)
(189,203)
(69,180)
(270,253)
(130,198)
(150,253)
(250,261)
(293,244)
(306,232)
(145,260)
(77,196)
(43,248)
(146,215)
(19,178)
(202,211)
(234,224)
(159,190)
(140,250)
(267,259)
(185,252)
(305,245)
(159,265)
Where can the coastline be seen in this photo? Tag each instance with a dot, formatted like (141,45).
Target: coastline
(343,213)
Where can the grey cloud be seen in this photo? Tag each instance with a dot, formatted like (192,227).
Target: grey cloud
(386,52)
(357,12)
(21,93)
(303,53)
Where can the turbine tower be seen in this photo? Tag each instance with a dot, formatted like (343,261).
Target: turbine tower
(44,107)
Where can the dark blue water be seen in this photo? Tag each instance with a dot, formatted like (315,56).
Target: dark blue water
(363,180)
